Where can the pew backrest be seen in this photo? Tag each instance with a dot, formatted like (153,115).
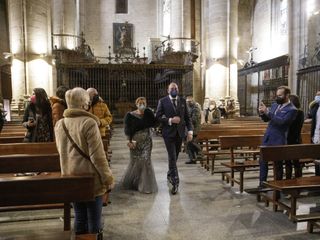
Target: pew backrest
(53,188)
(290,152)
(24,163)
(28,148)
(233,141)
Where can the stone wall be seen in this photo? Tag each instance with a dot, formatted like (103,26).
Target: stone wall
(97,17)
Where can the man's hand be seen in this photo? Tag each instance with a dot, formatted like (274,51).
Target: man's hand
(262,108)
(189,137)
(175,119)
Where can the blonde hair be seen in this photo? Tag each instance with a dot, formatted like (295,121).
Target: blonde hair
(77,98)
(139,99)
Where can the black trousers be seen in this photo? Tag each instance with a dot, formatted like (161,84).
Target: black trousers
(173,146)
(193,148)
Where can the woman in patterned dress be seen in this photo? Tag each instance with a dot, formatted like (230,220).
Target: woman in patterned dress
(140,173)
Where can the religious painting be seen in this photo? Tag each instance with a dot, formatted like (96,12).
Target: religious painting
(122,37)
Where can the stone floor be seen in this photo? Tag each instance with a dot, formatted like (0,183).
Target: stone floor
(204,208)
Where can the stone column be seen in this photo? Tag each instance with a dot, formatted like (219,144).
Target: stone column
(30,43)
(176,18)
(64,21)
(294,44)
(221,48)
(198,88)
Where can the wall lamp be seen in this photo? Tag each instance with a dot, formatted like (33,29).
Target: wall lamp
(7,55)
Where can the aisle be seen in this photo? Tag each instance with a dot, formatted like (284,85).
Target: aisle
(204,208)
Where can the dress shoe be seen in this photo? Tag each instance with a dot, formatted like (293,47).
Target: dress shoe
(190,162)
(174,189)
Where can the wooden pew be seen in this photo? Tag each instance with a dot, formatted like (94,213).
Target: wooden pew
(28,148)
(16,167)
(293,187)
(206,136)
(50,188)
(52,235)
(23,163)
(245,147)
(11,139)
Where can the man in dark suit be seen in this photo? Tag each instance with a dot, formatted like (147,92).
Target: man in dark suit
(173,114)
(280,116)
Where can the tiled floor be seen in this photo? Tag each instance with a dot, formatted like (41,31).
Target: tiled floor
(204,208)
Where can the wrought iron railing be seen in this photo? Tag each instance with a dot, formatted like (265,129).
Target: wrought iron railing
(308,85)
(125,82)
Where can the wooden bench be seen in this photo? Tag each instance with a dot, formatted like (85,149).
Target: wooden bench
(206,136)
(293,187)
(51,235)
(28,148)
(11,139)
(312,219)
(48,188)
(245,147)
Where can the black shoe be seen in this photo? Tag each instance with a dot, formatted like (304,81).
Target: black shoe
(190,162)
(174,189)
(256,190)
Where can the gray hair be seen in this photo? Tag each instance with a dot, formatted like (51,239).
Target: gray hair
(77,98)
(92,92)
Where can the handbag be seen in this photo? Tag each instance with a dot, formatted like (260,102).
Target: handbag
(80,151)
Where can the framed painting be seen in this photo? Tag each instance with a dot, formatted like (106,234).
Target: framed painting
(122,37)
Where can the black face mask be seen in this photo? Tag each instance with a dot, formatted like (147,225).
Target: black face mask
(95,99)
(279,100)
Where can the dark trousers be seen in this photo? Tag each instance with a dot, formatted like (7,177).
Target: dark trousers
(173,146)
(264,171)
(317,168)
(193,148)
(297,169)
(87,217)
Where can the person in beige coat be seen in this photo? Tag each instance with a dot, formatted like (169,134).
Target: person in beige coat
(82,127)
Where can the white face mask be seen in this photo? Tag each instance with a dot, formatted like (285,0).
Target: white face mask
(211,107)
(141,107)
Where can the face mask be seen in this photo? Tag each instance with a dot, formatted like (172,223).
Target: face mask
(95,99)
(190,104)
(212,107)
(173,93)
(141,107)
(86,107)
(33,99)
(317,99)
(279,100)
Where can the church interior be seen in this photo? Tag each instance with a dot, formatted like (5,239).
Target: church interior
(220,52)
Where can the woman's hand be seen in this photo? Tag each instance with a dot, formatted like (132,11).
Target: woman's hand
(131,145)
(31,124)
(110,187)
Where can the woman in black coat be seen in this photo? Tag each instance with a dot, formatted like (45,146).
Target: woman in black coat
(140,173)
(294,137)
(37,118)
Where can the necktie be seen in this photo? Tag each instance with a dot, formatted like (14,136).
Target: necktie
(278,108)
(174,102)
